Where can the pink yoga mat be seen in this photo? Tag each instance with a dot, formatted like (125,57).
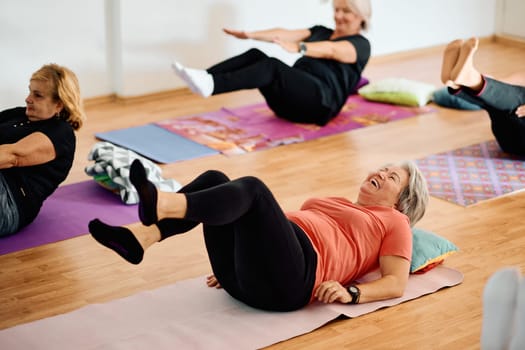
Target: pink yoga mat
(66,214)
(255,127)
(189,315)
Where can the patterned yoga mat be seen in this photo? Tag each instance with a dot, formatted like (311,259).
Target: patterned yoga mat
(474,173)
(255,127)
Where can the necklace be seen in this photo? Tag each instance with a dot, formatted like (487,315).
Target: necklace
(20,124)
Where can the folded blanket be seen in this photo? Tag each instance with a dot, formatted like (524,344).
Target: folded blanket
(111,170)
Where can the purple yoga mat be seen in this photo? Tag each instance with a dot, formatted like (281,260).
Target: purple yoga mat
(66,214)
(474,173)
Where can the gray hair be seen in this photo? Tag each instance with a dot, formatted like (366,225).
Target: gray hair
(364,9)
(413,199)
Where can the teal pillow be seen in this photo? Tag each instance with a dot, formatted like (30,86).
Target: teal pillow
(429,250)
(398,91)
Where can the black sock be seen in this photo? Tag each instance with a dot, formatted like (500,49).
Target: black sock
(119,239)
(147,193)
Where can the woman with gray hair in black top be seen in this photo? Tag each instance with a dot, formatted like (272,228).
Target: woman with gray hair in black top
(37,145)
(316,87)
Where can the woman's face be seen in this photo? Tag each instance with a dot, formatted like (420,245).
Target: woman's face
(346,21)
(383,187)
(40,104)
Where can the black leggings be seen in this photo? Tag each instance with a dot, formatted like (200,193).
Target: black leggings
(258,256)
(500,100)
(292,93)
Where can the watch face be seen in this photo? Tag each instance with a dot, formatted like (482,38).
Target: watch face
(353,289)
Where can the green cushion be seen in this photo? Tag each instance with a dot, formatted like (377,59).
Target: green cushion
(398,91)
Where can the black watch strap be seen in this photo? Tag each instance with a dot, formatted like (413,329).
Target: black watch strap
(302,48)
(355,293)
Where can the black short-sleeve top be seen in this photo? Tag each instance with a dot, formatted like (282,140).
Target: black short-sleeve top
(31,185)
(339,79)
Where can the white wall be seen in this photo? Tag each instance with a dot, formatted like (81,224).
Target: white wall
(510,18)
(34,32)
(126,47)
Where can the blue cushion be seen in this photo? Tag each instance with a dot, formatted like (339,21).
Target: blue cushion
(429,250)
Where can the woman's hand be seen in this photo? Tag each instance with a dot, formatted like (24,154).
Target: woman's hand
(520,111)
(239,34)
(211,281)
(332,291)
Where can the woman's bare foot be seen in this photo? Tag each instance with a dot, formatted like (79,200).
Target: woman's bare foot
(464,73)
(450,57)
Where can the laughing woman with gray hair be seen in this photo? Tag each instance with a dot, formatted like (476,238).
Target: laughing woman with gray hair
(316,87)
(37,145)
(281,261)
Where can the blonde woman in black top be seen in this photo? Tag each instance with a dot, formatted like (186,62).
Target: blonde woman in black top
(37,145)
(316,87)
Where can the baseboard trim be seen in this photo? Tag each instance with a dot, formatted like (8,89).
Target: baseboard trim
(409,54)
(509,39)
(114,98)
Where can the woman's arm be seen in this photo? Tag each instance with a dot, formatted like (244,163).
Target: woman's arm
(394,277)
(33,149)
(392,284)
(269,35)
(341,51)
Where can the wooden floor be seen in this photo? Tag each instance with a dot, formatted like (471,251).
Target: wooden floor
(60,277)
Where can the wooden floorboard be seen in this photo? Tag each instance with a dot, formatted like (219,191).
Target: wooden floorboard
(63,276)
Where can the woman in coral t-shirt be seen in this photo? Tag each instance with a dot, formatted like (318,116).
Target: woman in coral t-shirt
(276,261)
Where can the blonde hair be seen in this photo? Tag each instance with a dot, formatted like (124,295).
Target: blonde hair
(364,9)
(66,89)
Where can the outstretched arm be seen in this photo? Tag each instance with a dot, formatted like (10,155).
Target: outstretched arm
(341,51)
(33,149)
(392,284)
(269,35)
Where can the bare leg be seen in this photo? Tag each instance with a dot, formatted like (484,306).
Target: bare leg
(171,205)
(464,73)
(450,57)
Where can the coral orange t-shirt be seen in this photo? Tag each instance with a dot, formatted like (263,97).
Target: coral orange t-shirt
(349,239)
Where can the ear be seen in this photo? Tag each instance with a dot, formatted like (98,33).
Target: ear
(59,107)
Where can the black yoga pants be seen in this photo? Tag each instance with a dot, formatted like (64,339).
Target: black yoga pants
(500,100)
(293,94)
(258,256)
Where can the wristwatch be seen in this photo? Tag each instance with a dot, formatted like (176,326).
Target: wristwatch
(355,293)
(302,48)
